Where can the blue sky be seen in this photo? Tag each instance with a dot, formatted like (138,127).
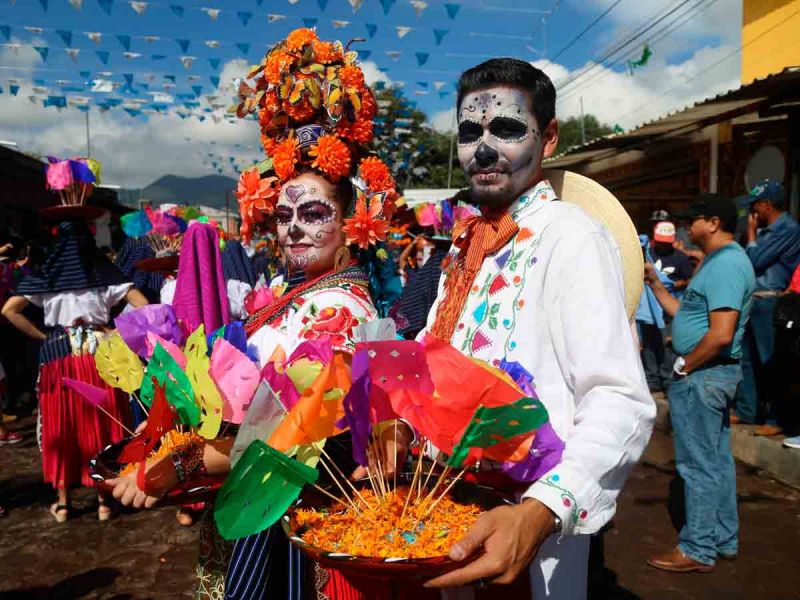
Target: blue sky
(530,29)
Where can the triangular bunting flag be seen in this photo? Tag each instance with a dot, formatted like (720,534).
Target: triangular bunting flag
(36,30)
(212,13)
(244,48)
(339,24)
(13,89)
(106,5)
(198,89)
(184,45)
(177,10)
(66,36)
(244,17)
(364,54)
(271,18)
(423,84)
(73,53)
(437,85)
(419,6)
(371,29)
(85,75)
(214,81)
(6,31)
(138,7)
(44,4)
(43,52)
(443,94)
(387,6)
(422,58)
(76,4)
(151,38)
(322,4)
(356,4)
(125,41)
(170,78)
(187,61)
(402,31)
(214,62)
(452,10)
(439,35)
(309,22)
(212,43)
(95,36)
(131,55)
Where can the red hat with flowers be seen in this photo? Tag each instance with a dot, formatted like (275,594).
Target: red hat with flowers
(315,110)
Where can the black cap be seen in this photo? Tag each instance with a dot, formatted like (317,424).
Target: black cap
(710,205)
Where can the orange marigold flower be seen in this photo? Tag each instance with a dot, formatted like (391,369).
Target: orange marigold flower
(302,111)
(299,38)
(326,53)
(331,156)
(277,62)
(365,228)
(369,108)
(268,143)
(256,197)
(352,77)
(376,174)
(284,158)
(359,132)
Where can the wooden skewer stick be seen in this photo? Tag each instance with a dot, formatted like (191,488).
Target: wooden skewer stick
(428,476)
(413,484)
(377,455)
(442,476)
(444,493)
(113,418)
(328,494)
(396,466)
(339,485)
(141,404)
(347,481)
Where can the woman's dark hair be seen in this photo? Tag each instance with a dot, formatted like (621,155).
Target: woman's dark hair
(514,73)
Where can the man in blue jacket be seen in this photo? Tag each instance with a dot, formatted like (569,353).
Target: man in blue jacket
(773,246)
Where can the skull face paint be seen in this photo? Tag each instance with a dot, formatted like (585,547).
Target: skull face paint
(309,223)
(499,144)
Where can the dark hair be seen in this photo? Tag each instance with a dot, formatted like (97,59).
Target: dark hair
(514,73)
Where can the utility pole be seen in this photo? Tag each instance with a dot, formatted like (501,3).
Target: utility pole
(88,138)
(583,124)
(227,211)
(450,162)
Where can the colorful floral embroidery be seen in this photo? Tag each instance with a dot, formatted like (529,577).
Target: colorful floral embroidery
(334,321)
(567,498)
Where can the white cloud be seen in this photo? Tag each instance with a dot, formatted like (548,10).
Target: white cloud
(444,121)
(372,74)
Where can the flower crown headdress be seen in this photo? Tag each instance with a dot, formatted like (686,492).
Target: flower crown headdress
(315,110)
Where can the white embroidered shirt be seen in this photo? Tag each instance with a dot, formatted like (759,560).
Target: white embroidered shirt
(552,299)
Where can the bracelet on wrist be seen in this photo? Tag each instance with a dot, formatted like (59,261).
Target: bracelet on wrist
(188,461)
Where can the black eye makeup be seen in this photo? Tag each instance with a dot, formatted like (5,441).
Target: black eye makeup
(508,129)
(469,132)
(283,214)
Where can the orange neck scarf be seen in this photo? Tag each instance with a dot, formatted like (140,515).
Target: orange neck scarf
(476,238)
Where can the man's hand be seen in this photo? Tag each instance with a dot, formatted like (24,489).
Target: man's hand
(510,537)
(651,275)
(752,227)
(395,440)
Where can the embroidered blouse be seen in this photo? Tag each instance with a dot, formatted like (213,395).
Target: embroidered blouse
(552,299)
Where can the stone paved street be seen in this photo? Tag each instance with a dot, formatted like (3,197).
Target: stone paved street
(147,555)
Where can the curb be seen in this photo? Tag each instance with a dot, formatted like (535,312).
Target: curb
(767,454)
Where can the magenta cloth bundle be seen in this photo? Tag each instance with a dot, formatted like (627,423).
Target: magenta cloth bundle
(200,294)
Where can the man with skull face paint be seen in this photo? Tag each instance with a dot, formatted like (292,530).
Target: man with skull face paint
(538,282)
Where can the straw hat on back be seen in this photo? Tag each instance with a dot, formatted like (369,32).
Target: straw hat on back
(602,206)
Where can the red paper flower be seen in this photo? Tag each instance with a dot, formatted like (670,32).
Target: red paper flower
(364,227)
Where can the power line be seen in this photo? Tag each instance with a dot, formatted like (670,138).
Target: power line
(662,34)
(622,46)
(586,29)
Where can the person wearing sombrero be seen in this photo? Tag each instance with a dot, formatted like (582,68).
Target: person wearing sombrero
(317,173)
(537,281)
(77,286)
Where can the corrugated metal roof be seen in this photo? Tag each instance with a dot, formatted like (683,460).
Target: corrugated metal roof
(771,89)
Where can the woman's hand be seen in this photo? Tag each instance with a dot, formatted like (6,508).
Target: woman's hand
(394,439)
(160,476)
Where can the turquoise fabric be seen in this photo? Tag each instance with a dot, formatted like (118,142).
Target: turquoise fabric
(724,280)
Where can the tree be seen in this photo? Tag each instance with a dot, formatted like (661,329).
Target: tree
(570,132)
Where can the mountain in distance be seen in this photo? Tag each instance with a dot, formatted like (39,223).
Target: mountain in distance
(209,190)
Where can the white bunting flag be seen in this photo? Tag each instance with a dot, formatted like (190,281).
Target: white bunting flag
(187,61)
(95,36)
(151,38)
(402,31)
(437,85)
(38,89)
(102,86)
(340,24)
(138,7)
(76,4)
(79,101)
(14,47)
(293,1)
(419,6)
(36,30)
(356,4)
(131,55)
(212,43)
(213,13)
(73,53)
(271,18)
(393,54)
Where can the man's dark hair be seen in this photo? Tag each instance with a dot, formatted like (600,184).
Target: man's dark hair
(516,73)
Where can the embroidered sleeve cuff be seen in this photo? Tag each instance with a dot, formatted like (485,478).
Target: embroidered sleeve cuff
(578,500)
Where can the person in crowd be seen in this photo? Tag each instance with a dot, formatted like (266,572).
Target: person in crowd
(554,280)
(657,355)
(773,246)
(707,334)
(7,437)
(77,286)
(787,354)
